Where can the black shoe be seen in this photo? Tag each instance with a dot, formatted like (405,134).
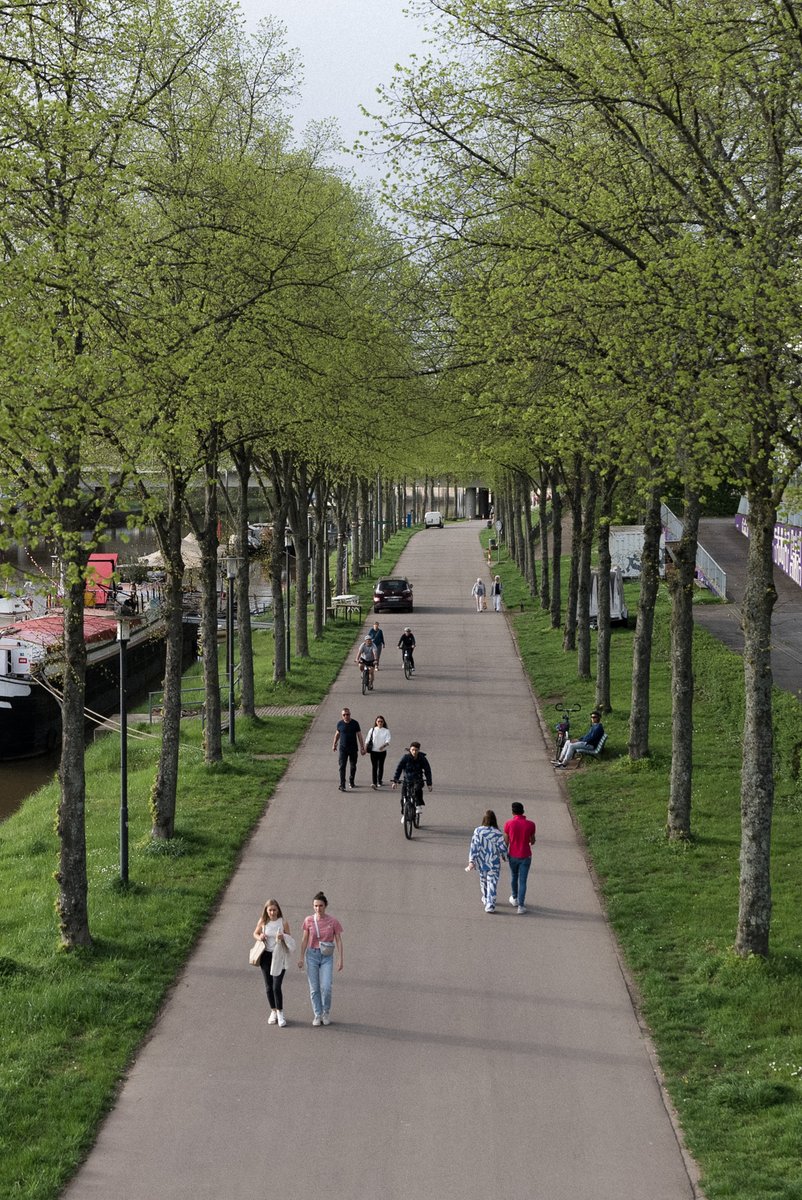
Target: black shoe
(341,788)
(352,786)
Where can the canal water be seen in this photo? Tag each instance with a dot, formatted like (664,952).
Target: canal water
(19,779)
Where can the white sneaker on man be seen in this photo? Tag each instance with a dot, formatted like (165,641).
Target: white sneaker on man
(316,1021)
(281,1019)
(521,909)
(326,1019)
(273,1018)
(513,901)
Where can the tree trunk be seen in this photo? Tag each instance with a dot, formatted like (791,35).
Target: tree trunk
(583,584)
(543,529)
(556,552)
(681,585)
(163,796)
(277,588)
(320,558)
(510,518)
(298,495)
(642,645)
(72,903)
(242,461)
(603,692)
(757,772)
(206,533)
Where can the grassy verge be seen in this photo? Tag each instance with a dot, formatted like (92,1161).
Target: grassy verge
(728,1031)
(70,1023)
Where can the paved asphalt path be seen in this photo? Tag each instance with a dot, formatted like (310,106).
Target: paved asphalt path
(729,548)
(470,1054)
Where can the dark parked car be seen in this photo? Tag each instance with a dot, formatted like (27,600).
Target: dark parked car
(390,594)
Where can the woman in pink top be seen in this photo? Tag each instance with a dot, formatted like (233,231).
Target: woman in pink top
(322,936)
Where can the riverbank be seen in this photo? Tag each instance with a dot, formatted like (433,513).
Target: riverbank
(728,1031)
(71,1023)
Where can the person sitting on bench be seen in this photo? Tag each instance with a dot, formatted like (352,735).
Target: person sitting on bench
(589,741)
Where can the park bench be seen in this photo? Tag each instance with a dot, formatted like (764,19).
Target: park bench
(592,751)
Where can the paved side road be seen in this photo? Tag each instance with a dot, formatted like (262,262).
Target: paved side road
(729,548)
(470,1055)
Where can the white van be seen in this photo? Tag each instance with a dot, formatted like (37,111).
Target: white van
(433,520)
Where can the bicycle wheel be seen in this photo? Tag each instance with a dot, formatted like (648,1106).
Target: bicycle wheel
(409,812)
(407,668)
(364,681)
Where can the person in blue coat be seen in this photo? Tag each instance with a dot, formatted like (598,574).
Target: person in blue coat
(590,739)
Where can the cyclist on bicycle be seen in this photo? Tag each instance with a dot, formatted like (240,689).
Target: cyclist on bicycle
(414,766)
(366,658)
(406,644)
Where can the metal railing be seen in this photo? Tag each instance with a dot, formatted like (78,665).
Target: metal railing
(708,572)
(155,698)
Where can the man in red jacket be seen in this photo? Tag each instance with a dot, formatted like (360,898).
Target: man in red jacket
(519,838)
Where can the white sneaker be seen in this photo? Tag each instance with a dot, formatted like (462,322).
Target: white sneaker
(521,909)
(513,901)
(490,908)
(281,1020)
(326,1019)
(273,1018)
(316,1021)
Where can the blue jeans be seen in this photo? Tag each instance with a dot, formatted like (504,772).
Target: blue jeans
(519,873)
(319,971)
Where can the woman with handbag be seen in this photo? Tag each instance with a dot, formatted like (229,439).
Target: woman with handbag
(274,932)
(323,934)
(376,742)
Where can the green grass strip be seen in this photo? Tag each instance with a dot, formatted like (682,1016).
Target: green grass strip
(728,1031)
(71,1023)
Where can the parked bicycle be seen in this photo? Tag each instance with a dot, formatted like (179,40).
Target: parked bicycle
(563,726)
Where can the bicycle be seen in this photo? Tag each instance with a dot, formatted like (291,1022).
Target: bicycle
(407,665)
(410,808)
(366,670)
(564,724)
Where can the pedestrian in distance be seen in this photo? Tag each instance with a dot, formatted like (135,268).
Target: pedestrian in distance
(406,644)
(589,740)
(274,931)
(376,635)
(376,744)
(348,740)
(322,936)
(519,838)
(495,591)
(478,592)
(487,852)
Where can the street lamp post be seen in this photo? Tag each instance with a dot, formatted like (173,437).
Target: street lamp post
(231,574)
(287,544)
(123,634)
